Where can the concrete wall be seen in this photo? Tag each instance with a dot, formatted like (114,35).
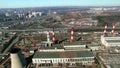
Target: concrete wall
(83,60)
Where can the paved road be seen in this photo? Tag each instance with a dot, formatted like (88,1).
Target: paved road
(60,29)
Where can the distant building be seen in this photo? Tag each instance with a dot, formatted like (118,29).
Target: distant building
(84,22)
(7,14)
(104,14)
(102,10)
(33,14)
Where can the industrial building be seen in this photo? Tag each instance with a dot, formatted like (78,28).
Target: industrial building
(110,60)
(110,41)
(75,46)
(53,48)
(83,57)
(94,47)
(69,52)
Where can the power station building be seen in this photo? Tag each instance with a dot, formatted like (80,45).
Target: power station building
(71,52)
(110,41)
(68,53)
(83,57)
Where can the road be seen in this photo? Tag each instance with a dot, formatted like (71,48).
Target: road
(60,29)
(11,45)
(6,51)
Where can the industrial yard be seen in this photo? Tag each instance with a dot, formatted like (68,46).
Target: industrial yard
(60,37)
(64,47)
(61,49)
(58,49)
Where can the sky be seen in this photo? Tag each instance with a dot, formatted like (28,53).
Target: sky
(47,3)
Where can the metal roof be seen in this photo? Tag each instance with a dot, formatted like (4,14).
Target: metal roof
(46,55)
(74,43)
(84,54)
(113,40)
(66,54)
(52,47)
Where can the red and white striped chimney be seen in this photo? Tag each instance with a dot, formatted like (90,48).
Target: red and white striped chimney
(53,35)
(113,29)
(112,32)
(72,35)
(48,36)
(105,32)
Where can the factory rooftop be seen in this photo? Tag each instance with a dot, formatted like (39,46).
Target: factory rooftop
(112,58)
(57,46)
(112,37)
(74,43)
(66,54)
(115,35)
(113,41)
(110,41)
(46,55)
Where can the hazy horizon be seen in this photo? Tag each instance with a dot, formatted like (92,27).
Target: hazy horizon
(56,3)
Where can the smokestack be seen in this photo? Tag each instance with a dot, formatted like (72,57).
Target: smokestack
(112,32)
(72,35)
(17,59)
(105,32)
(48,36)
(113,29)
(106,26)
(53,35)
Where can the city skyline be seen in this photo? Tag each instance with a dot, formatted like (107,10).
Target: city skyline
(49,3)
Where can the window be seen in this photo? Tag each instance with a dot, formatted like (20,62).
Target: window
(35,61)
(77,59)
(53,60)
(66,59)
(58,60)
(61,60)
